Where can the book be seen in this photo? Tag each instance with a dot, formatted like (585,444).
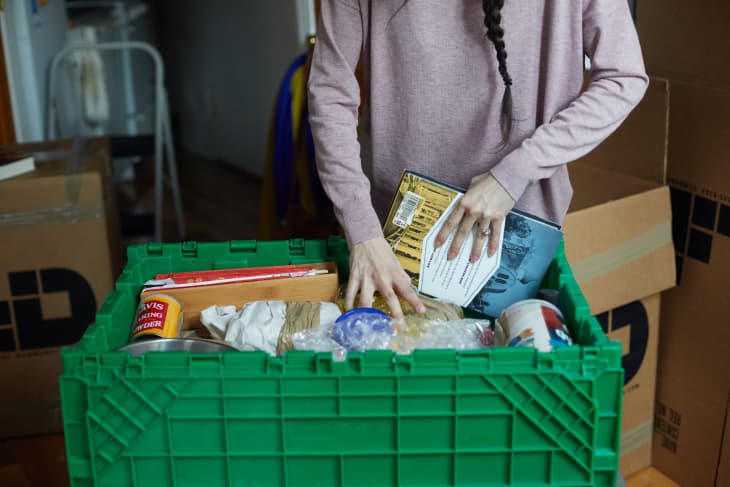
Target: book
(12,165)
(178,280)
(526,247)
(419,210)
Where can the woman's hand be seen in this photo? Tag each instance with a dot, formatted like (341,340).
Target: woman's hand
(484,206)
(374,267)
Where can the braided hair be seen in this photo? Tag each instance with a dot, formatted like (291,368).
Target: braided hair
(495,33)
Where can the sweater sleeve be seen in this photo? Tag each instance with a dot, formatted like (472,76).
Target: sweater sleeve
(334,99)
(618,82)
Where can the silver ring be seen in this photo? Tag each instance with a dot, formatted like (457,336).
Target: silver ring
(485,232)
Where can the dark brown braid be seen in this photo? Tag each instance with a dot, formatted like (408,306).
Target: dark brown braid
(495,33)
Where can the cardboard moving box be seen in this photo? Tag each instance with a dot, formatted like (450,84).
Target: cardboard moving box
(687,42)
(618,240)
(686,39)
(60,255)
(694,351)
(723,470)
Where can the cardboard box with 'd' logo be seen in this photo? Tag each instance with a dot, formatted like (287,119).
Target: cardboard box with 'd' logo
(60,253)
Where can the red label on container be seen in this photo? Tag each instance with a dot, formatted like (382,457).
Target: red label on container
(151,316)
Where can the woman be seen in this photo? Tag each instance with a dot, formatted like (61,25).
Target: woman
(443,98)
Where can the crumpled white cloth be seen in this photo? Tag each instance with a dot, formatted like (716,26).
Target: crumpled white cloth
(216,319)
(257,325)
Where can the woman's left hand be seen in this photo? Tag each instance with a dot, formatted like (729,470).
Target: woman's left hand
(485,205)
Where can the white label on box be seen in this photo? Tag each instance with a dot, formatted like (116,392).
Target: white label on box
(457,281)
(406,210)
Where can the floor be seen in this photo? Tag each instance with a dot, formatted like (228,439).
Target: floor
(650,478)
(37,461)
(221,203)
(41,461)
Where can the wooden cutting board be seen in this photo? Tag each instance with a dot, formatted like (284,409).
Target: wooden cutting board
(322,287)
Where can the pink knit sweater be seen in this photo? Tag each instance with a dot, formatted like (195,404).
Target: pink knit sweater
(433,96)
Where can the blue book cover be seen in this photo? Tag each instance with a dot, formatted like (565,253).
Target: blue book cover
(528,247)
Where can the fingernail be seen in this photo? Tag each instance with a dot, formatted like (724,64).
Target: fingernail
(451,255)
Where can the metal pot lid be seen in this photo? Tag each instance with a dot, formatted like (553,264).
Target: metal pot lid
(194,345)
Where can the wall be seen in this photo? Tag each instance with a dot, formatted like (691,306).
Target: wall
(224,63)
(31,39)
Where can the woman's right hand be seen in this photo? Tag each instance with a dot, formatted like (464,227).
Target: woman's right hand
(374,267)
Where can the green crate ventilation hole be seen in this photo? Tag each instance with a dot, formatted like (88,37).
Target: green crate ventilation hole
(513,417)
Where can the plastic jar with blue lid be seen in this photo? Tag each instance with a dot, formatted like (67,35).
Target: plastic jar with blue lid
(363,329)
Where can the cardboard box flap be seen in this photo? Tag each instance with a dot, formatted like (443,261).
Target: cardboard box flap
(639,147)
(618,233)
(622,250)
(593,186)
(51,191)
(71,183)
(59,157)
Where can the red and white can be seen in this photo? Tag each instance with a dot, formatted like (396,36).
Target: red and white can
(534,323)
(158,316)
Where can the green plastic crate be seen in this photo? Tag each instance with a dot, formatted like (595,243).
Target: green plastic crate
(499,417)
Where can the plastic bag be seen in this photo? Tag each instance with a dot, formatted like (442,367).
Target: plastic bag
(357,330)
(319,340)
(303,316)
(376,334)
(467,334)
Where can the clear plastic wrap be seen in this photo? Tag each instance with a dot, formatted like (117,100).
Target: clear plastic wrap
(466,334)
(318,339)
(375,334)
(303,316)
